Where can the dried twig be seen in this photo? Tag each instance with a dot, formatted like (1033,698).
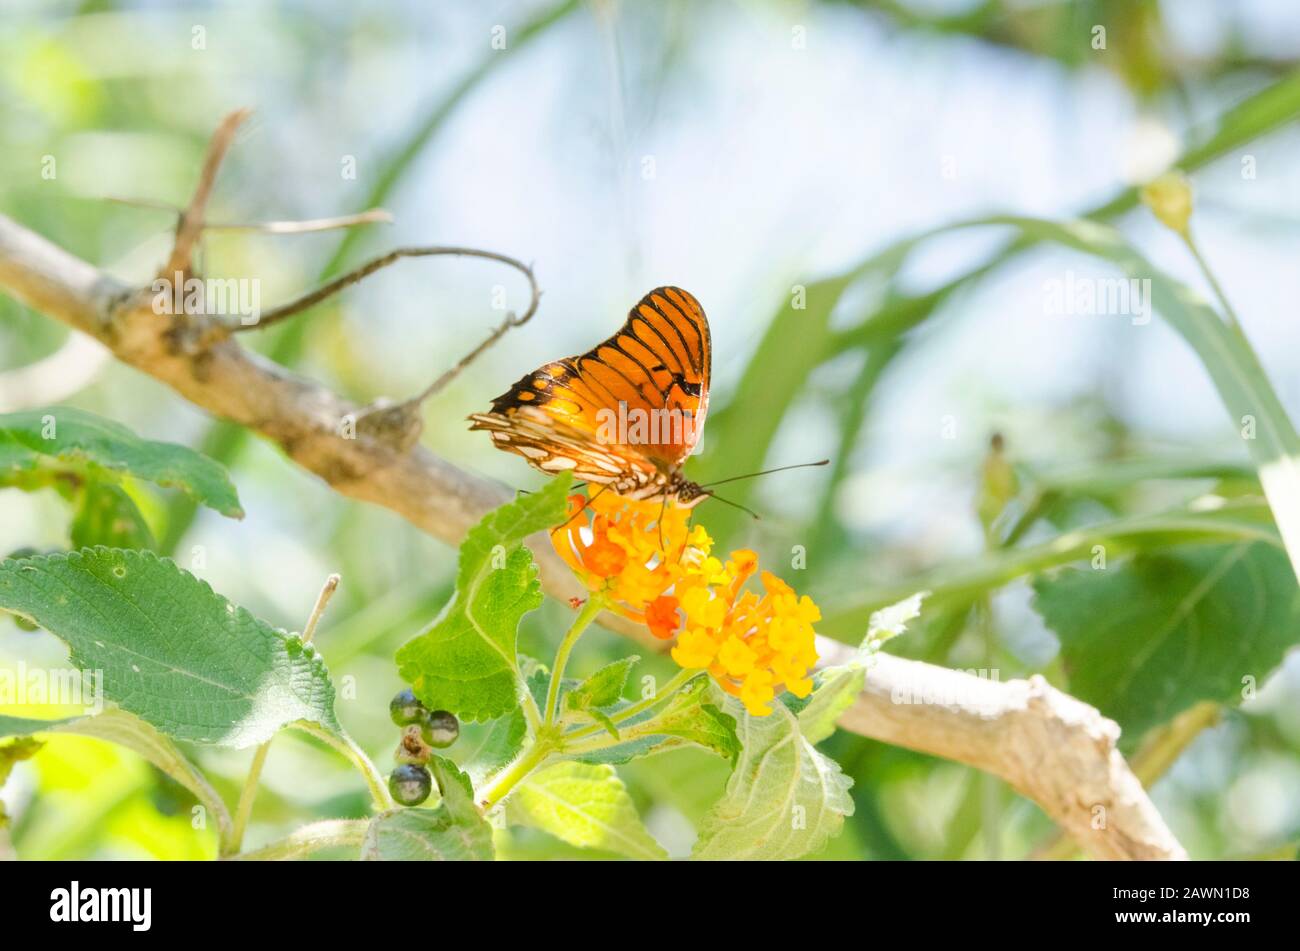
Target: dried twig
(190,225)
(357,274)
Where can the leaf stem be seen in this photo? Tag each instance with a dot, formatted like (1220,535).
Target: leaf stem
(1204,265)
(246,796)
(679,680)
(357,756)
(515,773)
(244,810)
(595,604)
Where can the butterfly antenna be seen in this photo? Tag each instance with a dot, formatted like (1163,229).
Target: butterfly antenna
(565,524)
(734,505)
(663,509)
(801,465)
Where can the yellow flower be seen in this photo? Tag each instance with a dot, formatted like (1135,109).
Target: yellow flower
(666,577)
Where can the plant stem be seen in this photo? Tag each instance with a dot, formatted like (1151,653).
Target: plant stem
(244,810)
(1204,265)
(515,773)
(246,796)
(679,680)
(595,604)
(357,756)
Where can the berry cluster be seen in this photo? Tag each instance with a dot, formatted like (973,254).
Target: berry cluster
(422,733)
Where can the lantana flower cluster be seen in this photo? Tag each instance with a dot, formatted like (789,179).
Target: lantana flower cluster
(666,577)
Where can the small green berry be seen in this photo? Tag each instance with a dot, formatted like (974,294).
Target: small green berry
(409,784)
(441,729)
(406,709)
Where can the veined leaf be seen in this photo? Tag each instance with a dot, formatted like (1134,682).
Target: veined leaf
(1146,639)
(106,515)
(603,688)
(453,832)
(501,741)
(784,799)
(837,687)
(172,651)
(691,716)
(583,805)
(466,661)
(32,438)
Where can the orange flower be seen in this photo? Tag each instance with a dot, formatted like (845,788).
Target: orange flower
(618,548)
(665,577)
(661,615)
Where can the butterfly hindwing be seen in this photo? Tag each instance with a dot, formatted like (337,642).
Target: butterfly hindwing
(561,415)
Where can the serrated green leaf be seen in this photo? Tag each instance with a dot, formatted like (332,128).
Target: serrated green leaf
(603,688)
(692,717)
(453,832)
(837,687)
(501,742)
(584,805)
(106,515)
(172,651)
(466,662)
(1145,639)
(32,438)
(784,799)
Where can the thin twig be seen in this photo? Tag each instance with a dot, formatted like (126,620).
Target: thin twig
(358,274)
(190,225)
(369,216)
(146,203)
(244,810)
(372,216)
(312,298)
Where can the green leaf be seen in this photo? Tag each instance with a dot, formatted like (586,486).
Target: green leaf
(1236,520)
(10,753)
(30,439)
(584,805)
(501,742)
(1146,639)
(837,687)
(466,662)
(690,717)
(604,688)
(172,651)
(784,799)
(132,733)
(106,515)
(453,832)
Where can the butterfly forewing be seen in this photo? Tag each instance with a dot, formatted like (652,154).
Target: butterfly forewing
(628,411)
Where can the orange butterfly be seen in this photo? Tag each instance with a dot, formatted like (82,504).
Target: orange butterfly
(625,414)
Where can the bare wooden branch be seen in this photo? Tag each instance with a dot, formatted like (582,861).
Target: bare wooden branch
(1054,749)
(1048,746)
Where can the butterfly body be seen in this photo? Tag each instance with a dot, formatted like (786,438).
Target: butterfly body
(627,413)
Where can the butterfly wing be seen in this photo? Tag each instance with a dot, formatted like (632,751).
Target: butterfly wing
(633,406)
